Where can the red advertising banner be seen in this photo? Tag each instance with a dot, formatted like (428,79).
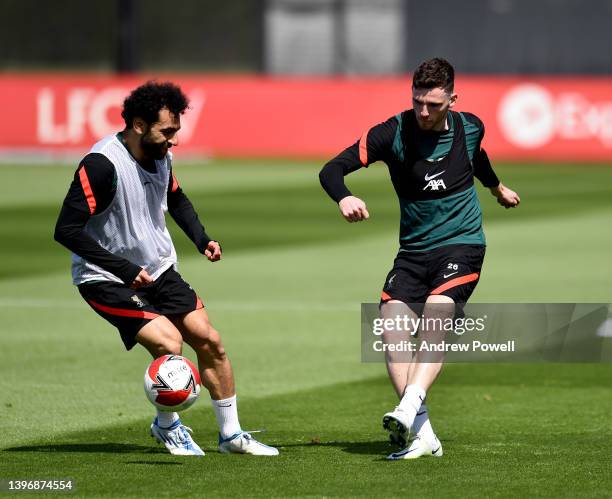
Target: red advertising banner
(547,118)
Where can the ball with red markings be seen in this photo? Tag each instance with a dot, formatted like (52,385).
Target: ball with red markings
(172,383)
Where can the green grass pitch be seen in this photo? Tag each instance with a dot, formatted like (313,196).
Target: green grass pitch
(286,299)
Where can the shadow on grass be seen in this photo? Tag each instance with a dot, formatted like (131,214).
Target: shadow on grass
(111,447)
(363,448)
(377,448)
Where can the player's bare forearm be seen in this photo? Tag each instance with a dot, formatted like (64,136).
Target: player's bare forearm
(505,197)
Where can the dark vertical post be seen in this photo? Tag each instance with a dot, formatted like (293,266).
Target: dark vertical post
(262,6)
(407,48)
(340,42)
(127,58)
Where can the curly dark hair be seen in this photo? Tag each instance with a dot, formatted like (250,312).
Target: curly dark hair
(434,73)
(148,99)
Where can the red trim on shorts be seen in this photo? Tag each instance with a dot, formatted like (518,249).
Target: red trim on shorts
(363,148)
(175,184)
(385,297)
(123,312)
(89,195)
(199,303)
(457,281)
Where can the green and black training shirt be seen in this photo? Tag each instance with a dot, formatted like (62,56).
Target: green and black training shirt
(432,173)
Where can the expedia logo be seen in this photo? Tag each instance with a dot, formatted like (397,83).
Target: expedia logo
(532,116)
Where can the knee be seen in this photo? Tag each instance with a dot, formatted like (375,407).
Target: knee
(440,306)
(440,299)
(393,308)
(170,343)
(160,337)
(210,344)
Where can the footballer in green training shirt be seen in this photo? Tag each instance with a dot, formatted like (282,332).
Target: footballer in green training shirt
(433,154)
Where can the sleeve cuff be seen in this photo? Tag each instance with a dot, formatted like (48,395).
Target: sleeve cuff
(129,274)
(204,244)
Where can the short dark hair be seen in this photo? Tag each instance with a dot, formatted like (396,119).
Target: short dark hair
(434,73)
(148,99)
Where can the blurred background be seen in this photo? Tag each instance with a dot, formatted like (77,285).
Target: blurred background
(537,73)
(277,87)
(324,37)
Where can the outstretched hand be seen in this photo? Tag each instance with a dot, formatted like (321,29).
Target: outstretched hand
(353,209)
(213,251)
(506,197)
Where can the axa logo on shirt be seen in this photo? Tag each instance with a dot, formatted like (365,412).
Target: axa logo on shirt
(434,183)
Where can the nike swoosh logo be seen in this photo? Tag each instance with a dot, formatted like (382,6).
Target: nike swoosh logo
(429,177)
(403,453)
(228,405)
(434,451)
(448,275)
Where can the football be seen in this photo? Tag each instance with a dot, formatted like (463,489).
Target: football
(172,383)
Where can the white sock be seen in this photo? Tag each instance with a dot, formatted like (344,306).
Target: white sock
(422,425)
(226,411)
(166,419)
(411,402)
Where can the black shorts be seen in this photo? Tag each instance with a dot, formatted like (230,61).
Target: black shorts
(130,309)
(451,270)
